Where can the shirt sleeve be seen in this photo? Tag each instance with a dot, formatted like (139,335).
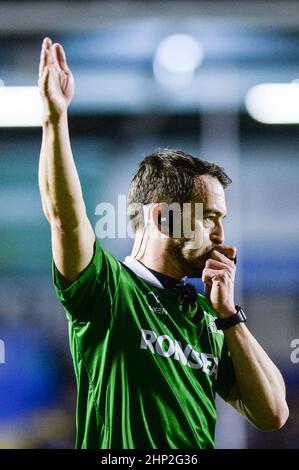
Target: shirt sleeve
(226,375)
(91,295)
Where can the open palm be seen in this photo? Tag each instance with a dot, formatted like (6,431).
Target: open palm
(56,82)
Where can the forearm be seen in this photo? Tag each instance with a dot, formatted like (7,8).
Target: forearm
(260,385)
(58,178)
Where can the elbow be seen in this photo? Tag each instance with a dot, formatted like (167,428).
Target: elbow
(64,225)
(275,421)
(281,417)
(67,220)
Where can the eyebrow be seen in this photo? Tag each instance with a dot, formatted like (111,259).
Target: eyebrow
(214,211)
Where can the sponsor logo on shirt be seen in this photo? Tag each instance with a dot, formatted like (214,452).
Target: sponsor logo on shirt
(168,347)
(212,328)
(159,309)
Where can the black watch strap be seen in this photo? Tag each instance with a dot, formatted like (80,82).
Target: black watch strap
(224,323)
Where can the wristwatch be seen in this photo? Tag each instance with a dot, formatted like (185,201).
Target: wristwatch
(224,323)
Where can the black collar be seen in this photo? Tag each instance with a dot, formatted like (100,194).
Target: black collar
(186,293)
(167,282)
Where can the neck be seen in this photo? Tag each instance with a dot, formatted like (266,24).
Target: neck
(158,257)
(160,266)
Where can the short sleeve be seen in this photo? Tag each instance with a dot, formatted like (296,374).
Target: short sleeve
(91,295)
(226,375)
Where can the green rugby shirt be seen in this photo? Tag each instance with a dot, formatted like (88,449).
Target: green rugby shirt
(146,373)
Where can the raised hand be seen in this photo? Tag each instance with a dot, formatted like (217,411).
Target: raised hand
(219,276)
(56,82)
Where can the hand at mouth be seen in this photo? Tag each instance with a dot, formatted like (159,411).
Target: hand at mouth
(205,257)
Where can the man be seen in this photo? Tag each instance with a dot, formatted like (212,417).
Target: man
(148,355)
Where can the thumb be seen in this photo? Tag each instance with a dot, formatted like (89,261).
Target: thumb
(61,58)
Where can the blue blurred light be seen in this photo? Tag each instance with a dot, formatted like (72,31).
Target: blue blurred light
(29,377)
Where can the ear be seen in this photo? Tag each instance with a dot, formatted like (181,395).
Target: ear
(159,218)
(164,219)
(157,212)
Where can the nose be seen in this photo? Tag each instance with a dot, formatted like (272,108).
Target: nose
(217,235)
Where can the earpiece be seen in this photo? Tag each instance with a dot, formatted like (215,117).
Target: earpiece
(146,220)
(166,222)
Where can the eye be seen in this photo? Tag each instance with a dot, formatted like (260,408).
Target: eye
(209,217)
(208,220)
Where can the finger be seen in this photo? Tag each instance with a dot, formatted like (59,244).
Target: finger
(213,264)
(43,81)
(60,57)
(47,41)
(229,251)
(51,60)
(218,279)
(64,81)
(208,274)
(43,57)
(227,257)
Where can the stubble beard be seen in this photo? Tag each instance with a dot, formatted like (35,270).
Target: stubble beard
(191,267)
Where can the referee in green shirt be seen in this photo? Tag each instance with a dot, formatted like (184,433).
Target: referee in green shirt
(149,353)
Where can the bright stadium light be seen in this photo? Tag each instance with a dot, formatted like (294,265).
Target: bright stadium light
(274,103)
(176,59)
(20,106)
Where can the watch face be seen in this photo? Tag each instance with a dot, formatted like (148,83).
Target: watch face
(241,312)
(225,323)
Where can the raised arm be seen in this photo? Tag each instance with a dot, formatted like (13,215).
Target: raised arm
(62,200)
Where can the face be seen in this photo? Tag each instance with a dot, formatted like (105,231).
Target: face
(192,253)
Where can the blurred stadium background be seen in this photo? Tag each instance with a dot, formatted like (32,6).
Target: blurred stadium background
(127,104)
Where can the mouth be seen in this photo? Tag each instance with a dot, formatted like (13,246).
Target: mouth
(201,261)
(206,256)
